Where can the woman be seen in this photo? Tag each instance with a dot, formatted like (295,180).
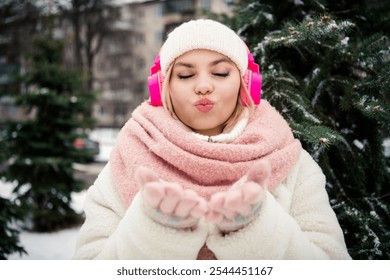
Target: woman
(211,174)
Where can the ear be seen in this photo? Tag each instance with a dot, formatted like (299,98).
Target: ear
(145,175)
(260,173)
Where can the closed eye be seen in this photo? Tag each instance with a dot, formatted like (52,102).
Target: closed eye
(183,77)
(223,75)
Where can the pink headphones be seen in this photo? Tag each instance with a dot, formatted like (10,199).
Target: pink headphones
(252,81)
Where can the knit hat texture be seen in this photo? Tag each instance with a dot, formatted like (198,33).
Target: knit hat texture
(204,34)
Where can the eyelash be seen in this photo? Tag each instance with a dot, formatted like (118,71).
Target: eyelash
(222,75)
(185,77)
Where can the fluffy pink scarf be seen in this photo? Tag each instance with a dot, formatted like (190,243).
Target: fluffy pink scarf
(154,139)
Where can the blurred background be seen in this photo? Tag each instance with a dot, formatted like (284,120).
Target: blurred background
(72,72)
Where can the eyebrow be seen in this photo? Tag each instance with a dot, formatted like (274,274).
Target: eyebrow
(188,65)
(220,61)
(213,63)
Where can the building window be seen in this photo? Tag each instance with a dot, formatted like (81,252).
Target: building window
(101,111)
(205,4)
(159,37)
(139,88)
(158,11)
(230,3)
(140,63)
(140,38)
(113,48)
(140,14)
(120,109)
(177,6)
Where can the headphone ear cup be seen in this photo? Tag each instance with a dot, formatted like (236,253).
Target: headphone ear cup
(252,82)
(155,83)
(255,87)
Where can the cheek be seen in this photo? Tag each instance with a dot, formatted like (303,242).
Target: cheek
(177,95)
(179,100)
(231,90)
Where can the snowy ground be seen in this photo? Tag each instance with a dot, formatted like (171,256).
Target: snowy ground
(60,245)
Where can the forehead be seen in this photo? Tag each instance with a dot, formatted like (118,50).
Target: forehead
(202,56)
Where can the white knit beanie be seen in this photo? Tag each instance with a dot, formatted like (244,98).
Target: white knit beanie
(204,34)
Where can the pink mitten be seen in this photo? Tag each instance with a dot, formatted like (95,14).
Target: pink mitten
(235,208)
(168,203)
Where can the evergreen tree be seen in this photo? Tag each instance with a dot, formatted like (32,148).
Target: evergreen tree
(326,69)
(42,154)
(18,20)
(10,214)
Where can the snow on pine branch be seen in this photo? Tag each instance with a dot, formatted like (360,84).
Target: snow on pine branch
(309,30)
(298,107)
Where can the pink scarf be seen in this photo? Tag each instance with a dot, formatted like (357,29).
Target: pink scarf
(154,139)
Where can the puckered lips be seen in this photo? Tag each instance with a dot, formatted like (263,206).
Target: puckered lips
(204,105)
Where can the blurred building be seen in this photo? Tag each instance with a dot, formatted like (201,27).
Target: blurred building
(16,29)
(123,63)
(121,67)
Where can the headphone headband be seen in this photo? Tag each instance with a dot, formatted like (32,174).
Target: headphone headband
(156,65)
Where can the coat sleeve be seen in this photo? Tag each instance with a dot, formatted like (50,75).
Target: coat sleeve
(306,229)
(112,232)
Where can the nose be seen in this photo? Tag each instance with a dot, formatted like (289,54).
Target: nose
(204,86)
